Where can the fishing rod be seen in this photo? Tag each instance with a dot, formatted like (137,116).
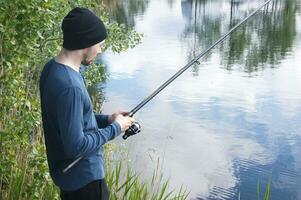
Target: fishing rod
(135,127)
(183,69)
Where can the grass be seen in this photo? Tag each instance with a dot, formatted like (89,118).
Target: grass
(29,179)
(124,184)
(267,190)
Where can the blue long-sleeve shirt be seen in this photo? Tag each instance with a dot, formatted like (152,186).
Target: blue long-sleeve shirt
(71,129)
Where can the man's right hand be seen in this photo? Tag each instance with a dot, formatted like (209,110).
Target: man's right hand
(124,121)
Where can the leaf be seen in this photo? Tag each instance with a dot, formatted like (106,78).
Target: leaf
(28,104)
(40,35)
(267,192)
(258,190)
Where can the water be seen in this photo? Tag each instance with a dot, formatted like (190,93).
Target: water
(227,124)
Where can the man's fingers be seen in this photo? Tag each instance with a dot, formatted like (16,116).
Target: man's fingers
(124,113)
(130,121)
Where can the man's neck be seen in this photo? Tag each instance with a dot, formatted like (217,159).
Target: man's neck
(69,58)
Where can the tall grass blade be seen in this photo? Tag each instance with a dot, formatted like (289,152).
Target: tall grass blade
(125,183)
(267,191)
(258,190)
(163,189)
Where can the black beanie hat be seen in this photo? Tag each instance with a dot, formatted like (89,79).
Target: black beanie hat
(82,29)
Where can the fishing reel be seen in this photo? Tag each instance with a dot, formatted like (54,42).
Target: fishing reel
(132,130)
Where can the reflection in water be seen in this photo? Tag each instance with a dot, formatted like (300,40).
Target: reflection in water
(201,26)
(253,44)
(124,11)
(219,129)
(258,44)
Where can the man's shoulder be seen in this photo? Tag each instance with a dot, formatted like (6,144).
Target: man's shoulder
(56,77)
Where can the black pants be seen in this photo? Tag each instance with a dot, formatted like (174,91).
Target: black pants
(96,190)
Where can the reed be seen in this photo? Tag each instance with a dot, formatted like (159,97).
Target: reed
(29,179)
(124,184)
(267,190)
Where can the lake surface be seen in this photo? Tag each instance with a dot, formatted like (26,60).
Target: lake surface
(227,124)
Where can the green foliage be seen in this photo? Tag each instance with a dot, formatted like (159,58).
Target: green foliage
(29,177)
(124,184)
(95,74)
(122,38)
(267,190)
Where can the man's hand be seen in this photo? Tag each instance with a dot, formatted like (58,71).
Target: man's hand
(122,119)
(113,117)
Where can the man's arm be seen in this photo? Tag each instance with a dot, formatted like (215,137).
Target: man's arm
(102,120)
(70,120)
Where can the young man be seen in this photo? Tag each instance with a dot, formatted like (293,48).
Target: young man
(71,129)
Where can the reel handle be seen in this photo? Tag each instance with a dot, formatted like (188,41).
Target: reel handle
(132,130)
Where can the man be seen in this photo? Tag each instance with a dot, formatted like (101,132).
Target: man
(71,129)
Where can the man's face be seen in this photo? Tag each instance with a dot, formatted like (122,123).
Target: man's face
(91,53)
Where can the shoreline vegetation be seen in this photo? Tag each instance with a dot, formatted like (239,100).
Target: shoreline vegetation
(31,35)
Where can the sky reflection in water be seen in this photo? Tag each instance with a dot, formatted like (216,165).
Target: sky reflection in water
(223,125)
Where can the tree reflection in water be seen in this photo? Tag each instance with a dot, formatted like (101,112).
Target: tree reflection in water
(263,41)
